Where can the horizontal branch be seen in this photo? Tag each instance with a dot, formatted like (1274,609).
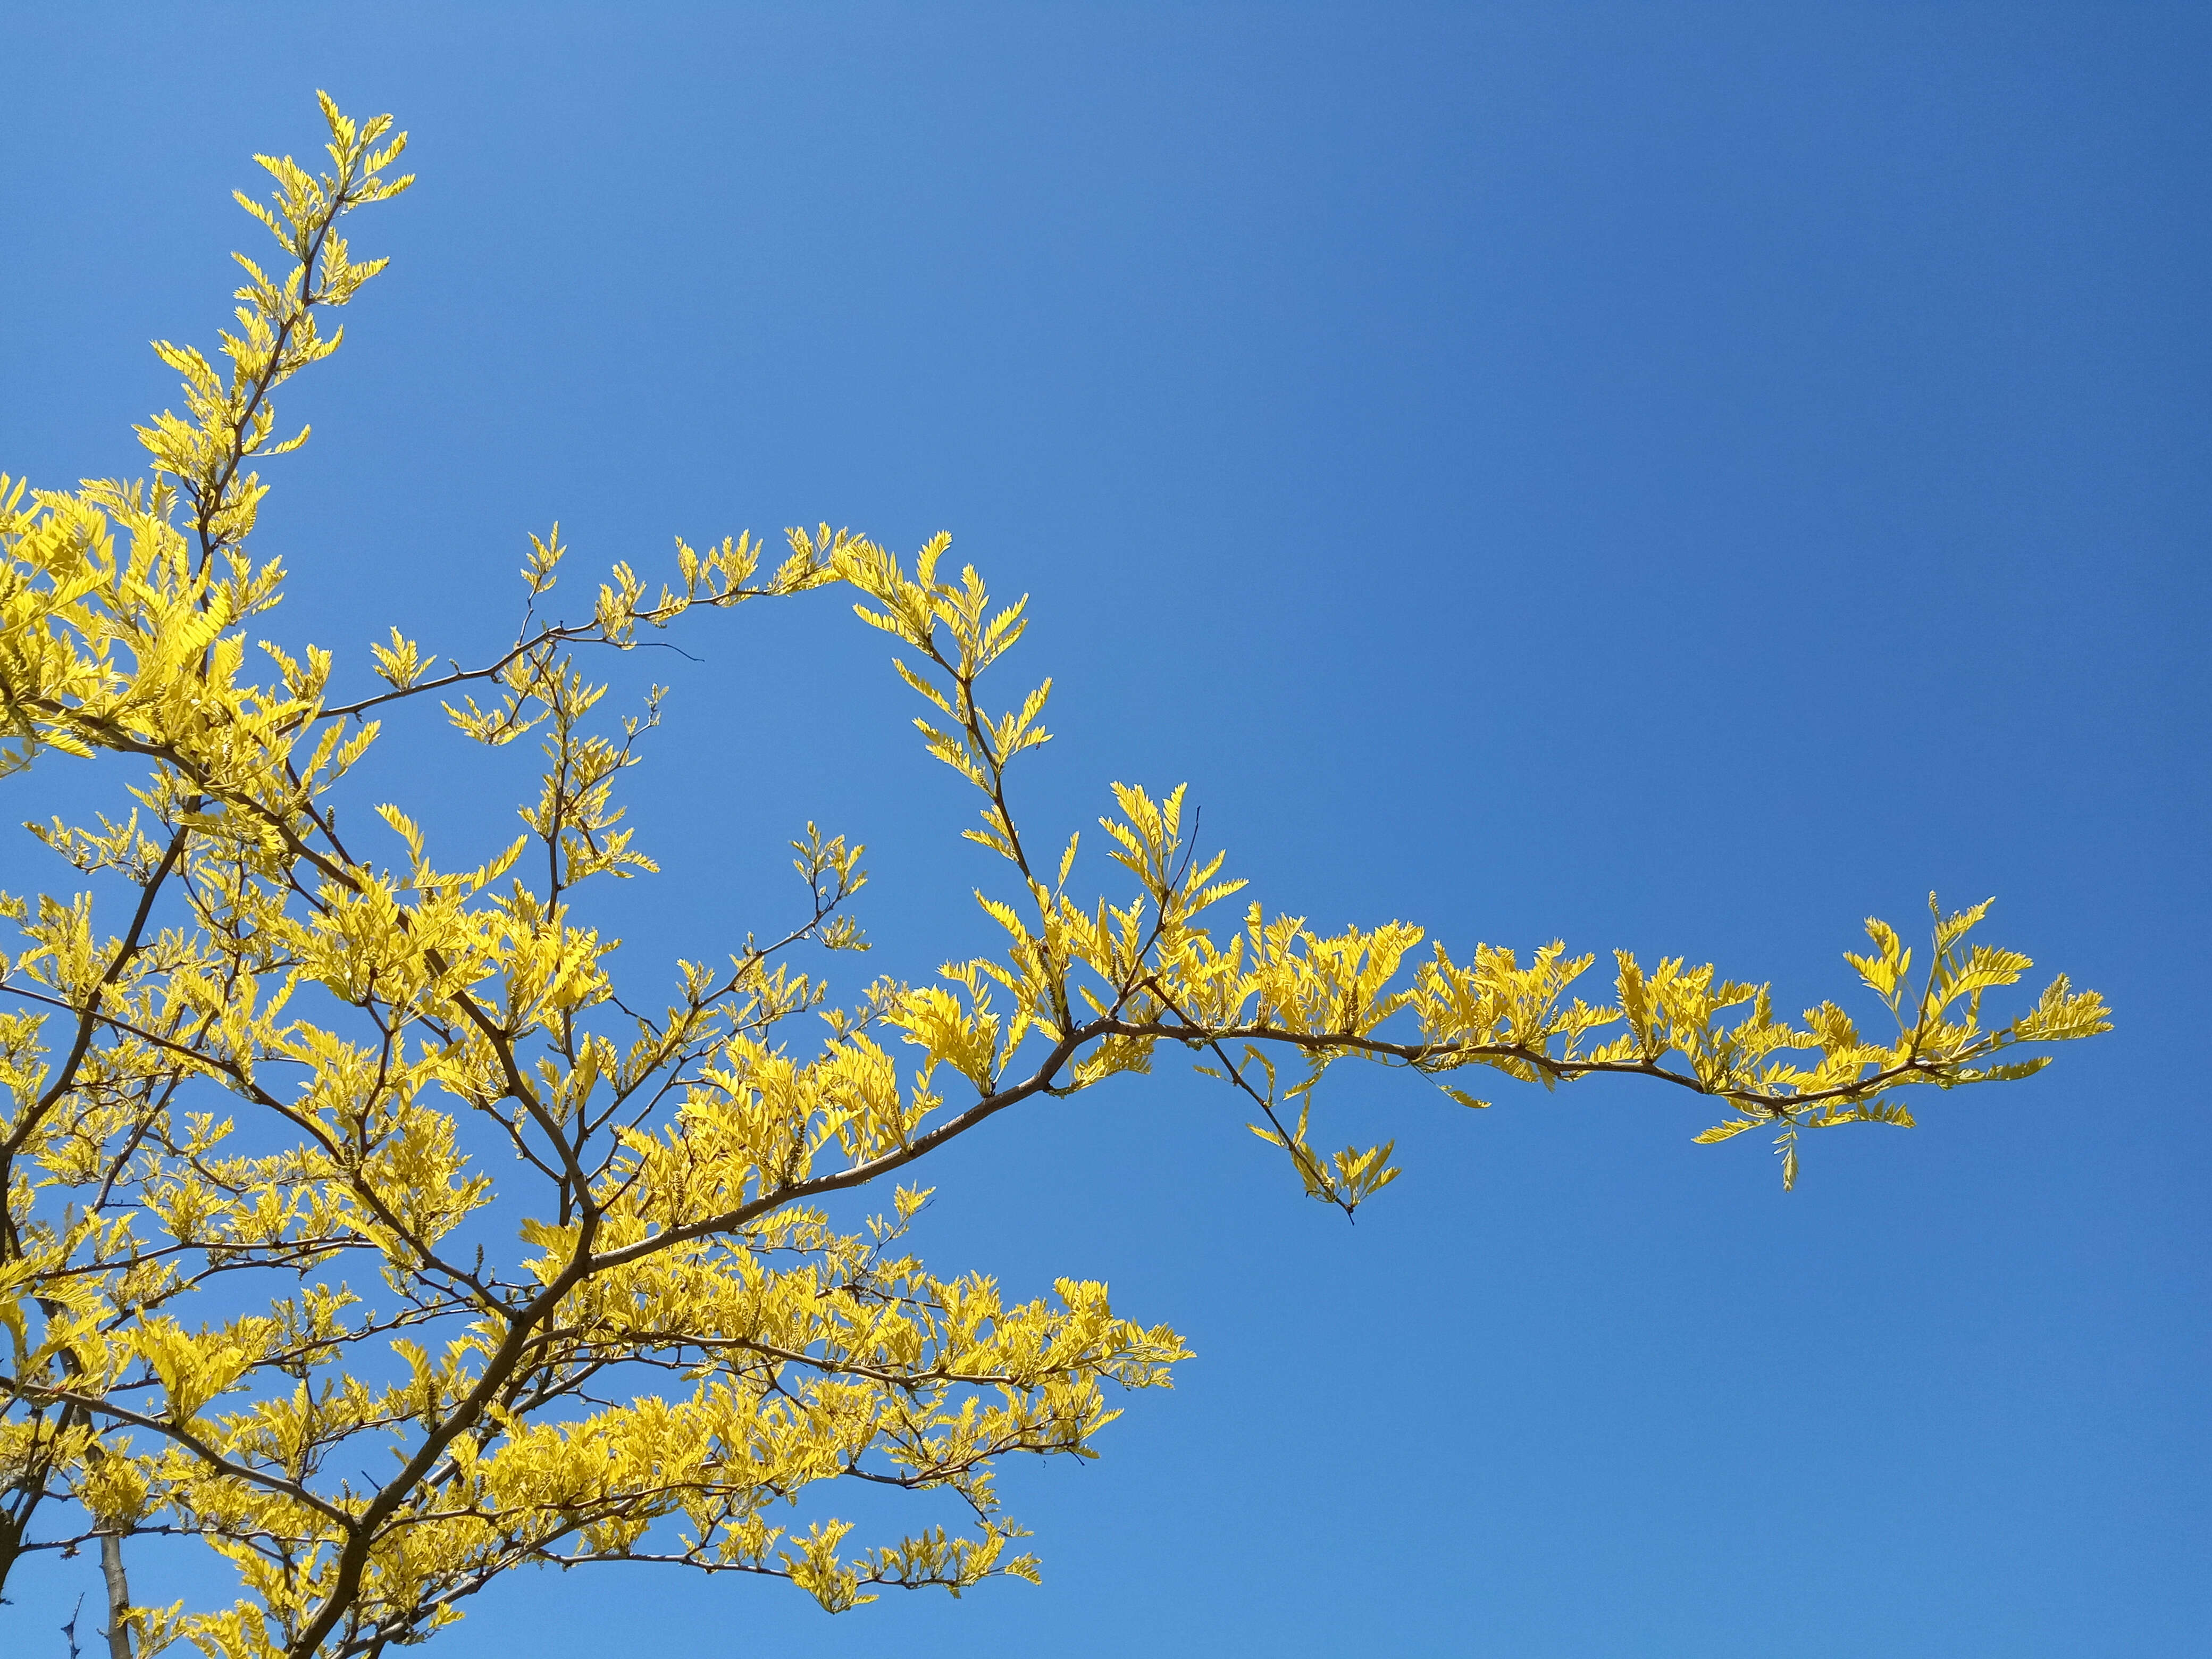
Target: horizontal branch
(185,1437)
(1422,1054)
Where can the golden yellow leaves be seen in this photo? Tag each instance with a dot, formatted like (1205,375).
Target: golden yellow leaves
(755,1120)
(114,1487)
(381,1038)
(812,1370)
(977,746)
(400,663)
(191,1372)
(379,1024)
(1149,970)
(230,419)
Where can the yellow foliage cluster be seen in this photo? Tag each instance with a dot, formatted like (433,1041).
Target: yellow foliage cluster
(244,1120)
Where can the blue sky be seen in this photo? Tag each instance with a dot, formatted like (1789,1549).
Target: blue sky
(1679,478)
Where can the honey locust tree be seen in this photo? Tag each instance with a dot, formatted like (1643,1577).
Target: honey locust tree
(260,1287)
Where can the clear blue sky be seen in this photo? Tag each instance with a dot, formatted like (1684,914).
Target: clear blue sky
(1674,477)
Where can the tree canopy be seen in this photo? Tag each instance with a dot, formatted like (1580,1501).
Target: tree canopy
(258,1288)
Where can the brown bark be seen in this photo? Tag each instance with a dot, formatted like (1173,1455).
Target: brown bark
(118,1596)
